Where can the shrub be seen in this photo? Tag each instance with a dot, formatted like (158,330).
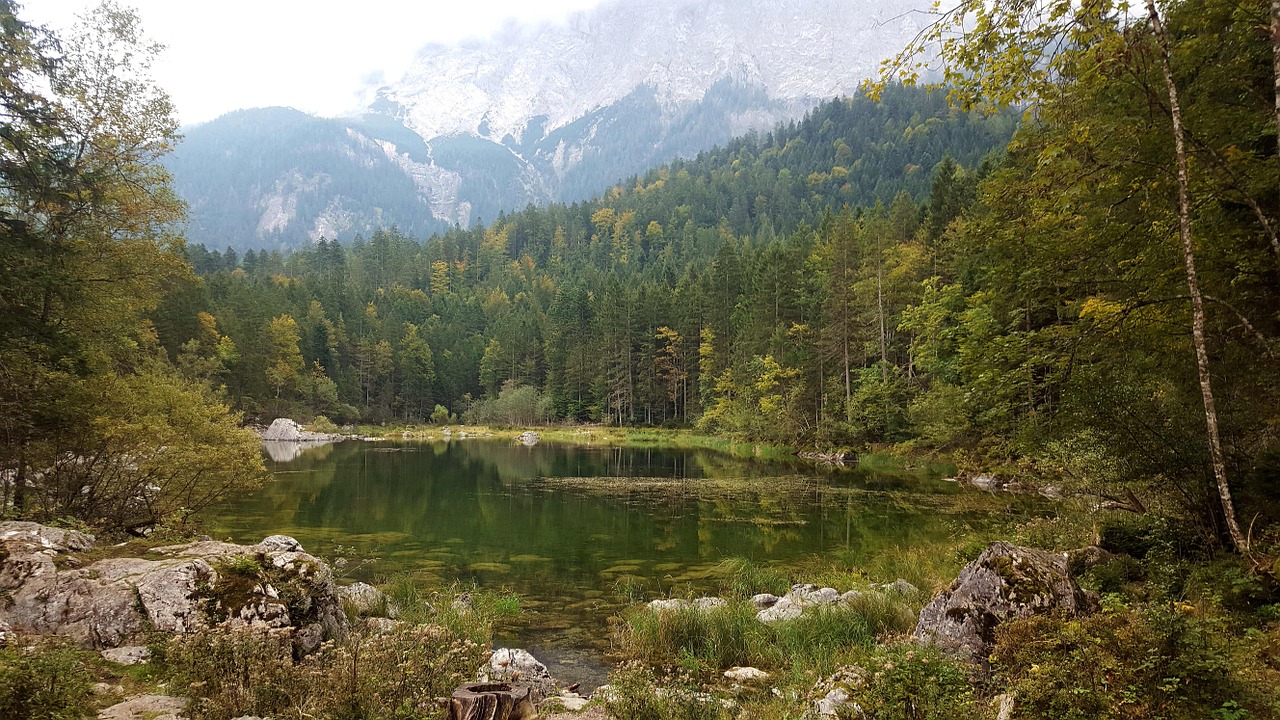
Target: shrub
(48,682)
(915,682)
(1168,661)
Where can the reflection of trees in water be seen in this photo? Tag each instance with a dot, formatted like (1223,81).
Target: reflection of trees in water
(551,520)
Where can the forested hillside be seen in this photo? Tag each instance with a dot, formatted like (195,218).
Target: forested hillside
(863,276)
(626,309)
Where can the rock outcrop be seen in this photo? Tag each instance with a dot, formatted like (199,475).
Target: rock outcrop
(512,665)
(181,588)
(286,430)
(1005,583)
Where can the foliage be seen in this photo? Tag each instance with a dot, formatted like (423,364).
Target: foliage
(637,693)
(43,682)
(397,673)
(910,681)
(1168,660)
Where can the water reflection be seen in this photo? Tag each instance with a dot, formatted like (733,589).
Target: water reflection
(570,528)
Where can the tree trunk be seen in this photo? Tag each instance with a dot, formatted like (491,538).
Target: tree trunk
(1275,65)
(491,701)
(1193,288)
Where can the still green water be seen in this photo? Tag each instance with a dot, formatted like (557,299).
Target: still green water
(578,532)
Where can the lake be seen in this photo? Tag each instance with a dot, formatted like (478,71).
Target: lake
(577,531)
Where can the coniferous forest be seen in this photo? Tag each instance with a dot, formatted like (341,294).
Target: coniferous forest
(1059,270)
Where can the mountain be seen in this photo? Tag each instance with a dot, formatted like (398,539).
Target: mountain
(554,112)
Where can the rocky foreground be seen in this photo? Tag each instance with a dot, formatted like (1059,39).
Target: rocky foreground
(64,583)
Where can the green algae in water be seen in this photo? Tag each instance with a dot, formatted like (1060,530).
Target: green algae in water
(560,525)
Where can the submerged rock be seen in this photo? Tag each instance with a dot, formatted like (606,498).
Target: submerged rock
(1005,583)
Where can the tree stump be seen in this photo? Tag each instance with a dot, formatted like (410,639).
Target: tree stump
(491,701)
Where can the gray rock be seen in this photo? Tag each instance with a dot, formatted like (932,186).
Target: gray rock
(146,707)
(833,696)
(515,665)
(279,543)
(902,587)
(366,599)
(571,702)
(529,438)
(764,600)
(850,596)
(128,655)
(709,603)
(668,605)
(286,430)
(51,538)
(1006,582)
(115,602)
(746,674)
(781,611)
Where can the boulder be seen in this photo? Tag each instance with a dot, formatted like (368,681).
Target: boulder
(513,665)
(529,438)
(667,605)
(1005,583)
(709,603)
(764,600)
(286,430)
(115,602)
(366,599)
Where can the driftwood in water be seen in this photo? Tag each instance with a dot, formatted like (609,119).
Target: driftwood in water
(491,701)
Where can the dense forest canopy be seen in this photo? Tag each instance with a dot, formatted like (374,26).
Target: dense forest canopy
(871,274)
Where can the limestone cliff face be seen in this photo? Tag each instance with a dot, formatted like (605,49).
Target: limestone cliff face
(535,114)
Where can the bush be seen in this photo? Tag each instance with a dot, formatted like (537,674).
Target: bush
(915,682)
(1168,661)
(48,682)
(440,415)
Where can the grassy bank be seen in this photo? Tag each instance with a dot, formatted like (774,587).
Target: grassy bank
(591,436)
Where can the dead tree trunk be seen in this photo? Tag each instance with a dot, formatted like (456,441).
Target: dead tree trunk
(1193,289)
(491,701)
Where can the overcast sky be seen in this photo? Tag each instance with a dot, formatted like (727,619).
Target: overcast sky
(314,55)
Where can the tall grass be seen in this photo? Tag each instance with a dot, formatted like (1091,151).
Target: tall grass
(706,641)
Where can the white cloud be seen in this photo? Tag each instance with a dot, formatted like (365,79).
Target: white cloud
(315,55)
